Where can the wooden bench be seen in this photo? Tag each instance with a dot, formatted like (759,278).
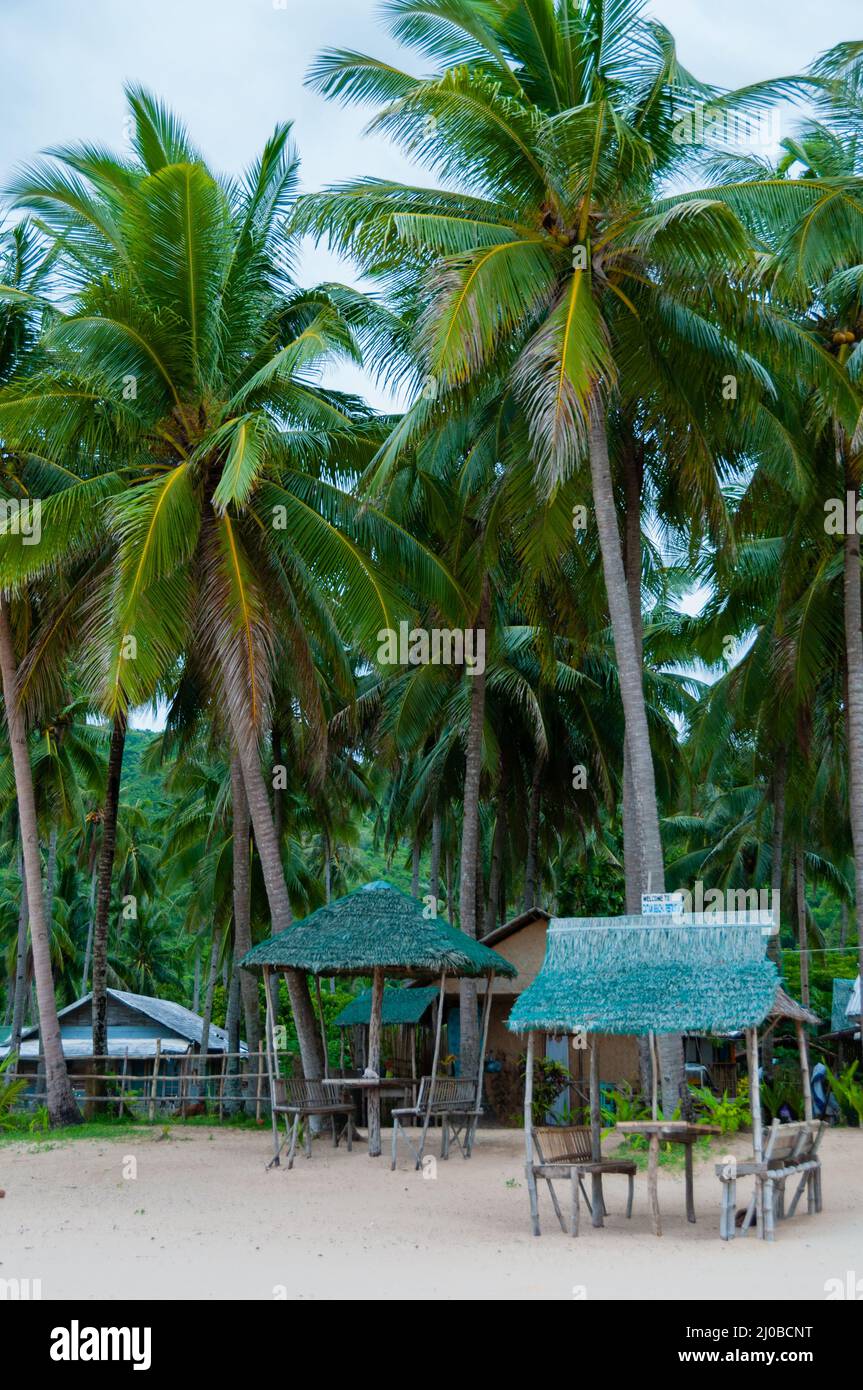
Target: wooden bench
(564,1151)
(452,1100)
(298,1100)
(791,1151)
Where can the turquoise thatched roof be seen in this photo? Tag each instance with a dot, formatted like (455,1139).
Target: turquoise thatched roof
(633,975)
(377,925)
(400,1006)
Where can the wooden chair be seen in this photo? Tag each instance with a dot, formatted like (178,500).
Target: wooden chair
(564,1151)
(791,1150)
(298,1100)
(453,1102)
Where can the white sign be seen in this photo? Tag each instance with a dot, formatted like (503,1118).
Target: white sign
(662,905)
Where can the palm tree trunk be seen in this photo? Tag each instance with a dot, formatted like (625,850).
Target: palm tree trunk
(103,886)
(232,1028)
(802,930)
(62,1108)
(450,887)
(273,871)
(196,985)
(278,794)
(495,877)
(469,1025)
(416,850)
(629,667)
(207,1018)
(19,998)
(631,679)
(774,951)
(532,837)
(854,690)
(634,877)
(434,870)
(242,904)
(88,949)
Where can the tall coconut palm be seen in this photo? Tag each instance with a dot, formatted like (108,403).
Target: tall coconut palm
(553,266)
(21,271)
(190,361)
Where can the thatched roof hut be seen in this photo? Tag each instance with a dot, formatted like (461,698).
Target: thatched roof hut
(639,975)
(377,930)
(786,1007)
(400,1007)
(376,927)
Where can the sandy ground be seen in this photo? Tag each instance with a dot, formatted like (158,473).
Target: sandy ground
(203,1219)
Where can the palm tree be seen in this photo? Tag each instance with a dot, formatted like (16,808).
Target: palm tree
(188,350)
(22,271)
(554,268)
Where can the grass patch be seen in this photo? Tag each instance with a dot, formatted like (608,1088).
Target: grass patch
(121,1129)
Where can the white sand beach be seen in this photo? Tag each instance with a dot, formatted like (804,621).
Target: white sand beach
(203,1219)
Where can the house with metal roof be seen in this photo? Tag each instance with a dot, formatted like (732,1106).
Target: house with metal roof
(136,1024)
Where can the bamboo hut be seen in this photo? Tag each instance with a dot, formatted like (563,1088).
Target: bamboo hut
(644,976)
(406,1016)
(376,930)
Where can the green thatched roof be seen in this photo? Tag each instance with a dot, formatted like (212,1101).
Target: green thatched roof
(377,925)
(633,975)
(400,1006)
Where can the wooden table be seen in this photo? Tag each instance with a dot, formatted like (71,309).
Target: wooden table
(671,1132)
(363,1085)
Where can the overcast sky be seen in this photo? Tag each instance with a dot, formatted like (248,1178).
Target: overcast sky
(233,68)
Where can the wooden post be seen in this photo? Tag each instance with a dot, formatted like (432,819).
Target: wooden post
(375,1015)
(486,1015)
(223,1071)
(322,1025)
(653,1182)
(654,1076)
(803,1048)
(757,1127)
(528,1134)
(272,1064)
(258,1080)
(435,1061)
(154,1087)
(123,1082)
(595,1133)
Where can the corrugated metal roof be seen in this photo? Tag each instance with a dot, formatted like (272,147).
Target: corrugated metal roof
(163,1011)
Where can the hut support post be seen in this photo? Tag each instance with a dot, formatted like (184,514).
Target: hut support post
(435,1061)
(528,1134)
(803,1047)
(271,1064)
(486,1015)
(375,1061)
(154,1090)
(596,1202)
(757,1128)
(322,1025)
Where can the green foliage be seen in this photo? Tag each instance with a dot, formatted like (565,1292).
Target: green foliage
(550,1079)
(849,1092)
(11,1090)
(730,1113)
